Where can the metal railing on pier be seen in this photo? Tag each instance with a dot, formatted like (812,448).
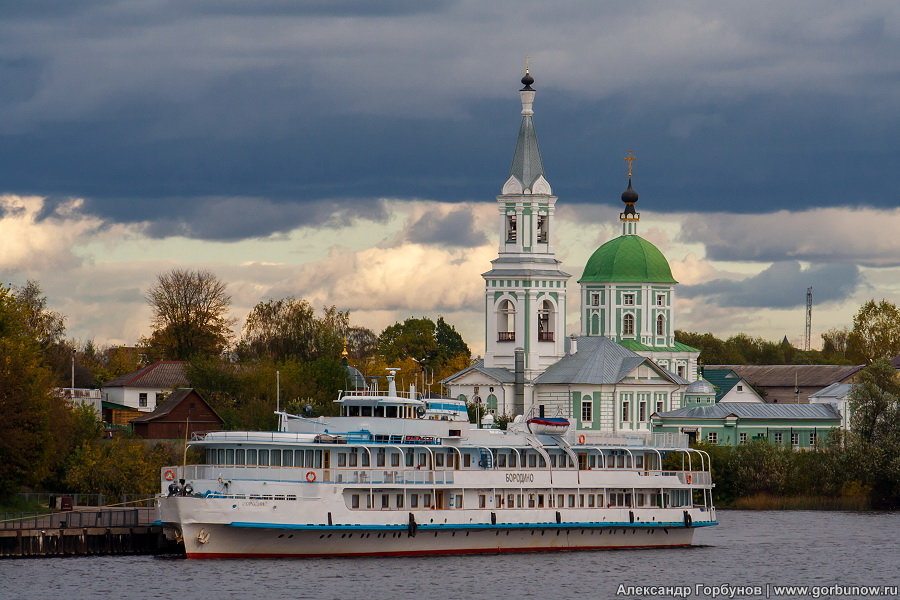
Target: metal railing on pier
(103,517)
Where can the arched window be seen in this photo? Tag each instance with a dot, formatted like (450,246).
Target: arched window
(628,324)
(511,229)
(595,324)
(545,322)
(660,325)
(492,404)
(506,322)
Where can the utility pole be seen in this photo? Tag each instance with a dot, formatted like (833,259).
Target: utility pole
(808,319)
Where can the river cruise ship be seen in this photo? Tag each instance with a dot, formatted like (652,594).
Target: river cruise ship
(397,474)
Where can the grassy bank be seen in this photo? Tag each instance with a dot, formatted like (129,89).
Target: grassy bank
(806,502)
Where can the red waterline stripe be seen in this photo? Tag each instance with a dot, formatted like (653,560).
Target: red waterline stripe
(432,552)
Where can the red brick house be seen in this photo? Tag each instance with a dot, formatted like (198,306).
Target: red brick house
(177,417)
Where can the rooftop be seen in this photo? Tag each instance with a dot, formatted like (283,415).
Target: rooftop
(165,374)
(789,375)
(753,410)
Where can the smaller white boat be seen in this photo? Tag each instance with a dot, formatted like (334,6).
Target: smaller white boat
(548,425)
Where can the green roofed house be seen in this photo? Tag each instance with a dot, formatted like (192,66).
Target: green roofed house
(624,363)
(730,387)
(731,423)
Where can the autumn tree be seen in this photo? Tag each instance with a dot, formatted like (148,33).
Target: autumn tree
(190,315)
(362,344)
(435,347)
(875,333)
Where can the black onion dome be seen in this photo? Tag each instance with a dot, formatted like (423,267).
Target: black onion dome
(629,196)
(527,81)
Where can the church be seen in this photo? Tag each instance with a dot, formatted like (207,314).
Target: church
(624,365)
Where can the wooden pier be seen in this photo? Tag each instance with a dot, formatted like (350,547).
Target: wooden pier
(93,531)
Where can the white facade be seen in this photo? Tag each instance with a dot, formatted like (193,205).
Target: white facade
(142,399)
(742,392)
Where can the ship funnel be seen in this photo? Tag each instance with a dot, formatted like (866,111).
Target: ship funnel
(392,381)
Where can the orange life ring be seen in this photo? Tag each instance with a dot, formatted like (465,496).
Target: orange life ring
(169,475)
(310,476)
(688,478)
(581,439)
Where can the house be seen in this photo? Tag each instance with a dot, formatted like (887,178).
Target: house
(145,388)
(838,396)
(181,414)
(792,384)
(731,423)
(730,387)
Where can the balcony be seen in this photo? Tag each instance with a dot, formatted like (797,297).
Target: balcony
(545,336)
(506,336)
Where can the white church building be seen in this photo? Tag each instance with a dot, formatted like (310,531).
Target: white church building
(624,365)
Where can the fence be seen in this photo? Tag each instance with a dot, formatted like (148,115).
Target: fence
(50,499)
(103,517)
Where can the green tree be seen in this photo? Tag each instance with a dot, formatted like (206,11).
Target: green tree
(835,342)
(190,315)
(288,328)
(25,399)
(875,333)
(117,467)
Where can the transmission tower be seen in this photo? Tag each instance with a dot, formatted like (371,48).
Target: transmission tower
(808,319)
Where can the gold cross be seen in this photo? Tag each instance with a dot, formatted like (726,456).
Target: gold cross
(630,158)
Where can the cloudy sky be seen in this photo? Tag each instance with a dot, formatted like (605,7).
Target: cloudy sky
(349,151)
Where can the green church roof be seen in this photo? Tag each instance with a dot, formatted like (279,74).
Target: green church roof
(627,258)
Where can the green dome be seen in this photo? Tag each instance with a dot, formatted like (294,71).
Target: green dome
(627,258)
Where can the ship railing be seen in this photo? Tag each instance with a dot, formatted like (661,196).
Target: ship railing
(300,474)
(375,394)
(635,440)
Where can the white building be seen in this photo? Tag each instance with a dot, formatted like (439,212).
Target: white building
(143,389)
(625,364)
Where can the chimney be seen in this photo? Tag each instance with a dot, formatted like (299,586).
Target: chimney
(573,344)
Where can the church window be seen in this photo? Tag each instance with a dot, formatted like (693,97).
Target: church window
(660,325)
(492,403)
(642,412)
(628,299)
(712,437)
(595,298)
(543,225)
(510,229)
(506,322)
(628,324)
(587,410)
(660,299)
(681,371)
(626,410)
(545,322)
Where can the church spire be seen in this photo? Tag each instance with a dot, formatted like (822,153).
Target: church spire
(629,216)
(526,175)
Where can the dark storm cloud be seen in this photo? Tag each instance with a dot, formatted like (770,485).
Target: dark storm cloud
(231,219)
(731,107)
(782,285)
(455,229)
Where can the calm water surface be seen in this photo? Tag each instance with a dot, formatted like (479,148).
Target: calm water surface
(798,547)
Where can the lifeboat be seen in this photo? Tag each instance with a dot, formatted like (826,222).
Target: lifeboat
(547,425)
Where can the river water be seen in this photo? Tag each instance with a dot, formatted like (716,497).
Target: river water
(748,548)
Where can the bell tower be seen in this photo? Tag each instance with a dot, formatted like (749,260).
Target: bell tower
(525,291)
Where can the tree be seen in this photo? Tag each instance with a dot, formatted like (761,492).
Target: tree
(117,467)
(362,344)
(288,328)
(875,333)
(24,398)
(190,315)
(835,342)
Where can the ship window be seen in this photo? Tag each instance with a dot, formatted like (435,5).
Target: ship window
(530,500)
(482,501)
(639,461)
(540,500)
(221,459)
(600,500)
(414,501)
(627,499)
(354,501)
(581,500)
(318,462)
(399,500)
(229,457)
(391,412)
(379,411)
(239,457)
(353,459)
(379,458)
(590,500)
(395,460)
(426,502)
(560,500)
(467,460)
(210,456)
(532,460)
(520,500)
(423,460)
(511,501)
(276,458)
(513,459)
(385,501)
(287,458)
(364,459)
(498,501)
(410,457)
(571,500)
(439,460)
(366,411)
(553,460)
(264,458)
(342,459)
(251,457)
(459,501)
(542,463)
(501,459)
